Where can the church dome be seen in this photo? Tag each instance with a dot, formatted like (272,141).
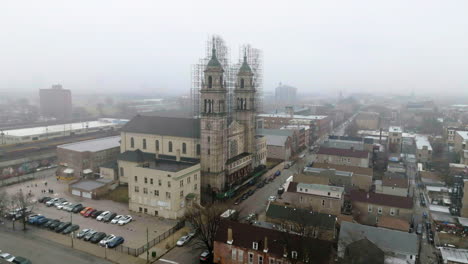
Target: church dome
(245,68)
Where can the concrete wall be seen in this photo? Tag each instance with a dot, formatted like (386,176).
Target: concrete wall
(361,212)
(278,152)
(321,204)
(350,161)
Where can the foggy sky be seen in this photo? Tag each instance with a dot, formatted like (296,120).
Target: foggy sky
(317,46)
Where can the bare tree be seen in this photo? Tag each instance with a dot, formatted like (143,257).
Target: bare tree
(4,203)
(23,202)
(206,221)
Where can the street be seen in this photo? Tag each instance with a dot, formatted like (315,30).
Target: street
(42,251)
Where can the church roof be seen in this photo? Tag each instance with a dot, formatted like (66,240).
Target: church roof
(165,126)
(245,68)
(214,62)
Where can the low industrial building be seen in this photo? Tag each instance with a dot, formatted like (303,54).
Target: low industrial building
(350,157)
(84,158)
(300,221)
(361,178)
(398,247)
(423,149)
(317,197)
(398,186)
(454,255)
(92,189)
(460,141)
(25,135)
(368,207)
(236,242)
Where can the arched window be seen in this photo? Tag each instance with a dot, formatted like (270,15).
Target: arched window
(221,81)
(242,83)
(208,139)
(157,145)
(144,143)
(132,142)
(210,82)
(198,149)
(170,146)
(184,148)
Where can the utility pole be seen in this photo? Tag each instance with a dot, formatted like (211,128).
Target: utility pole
(147,245)
(71,235)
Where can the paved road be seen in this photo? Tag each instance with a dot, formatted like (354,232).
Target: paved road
(42,251)
(188,254)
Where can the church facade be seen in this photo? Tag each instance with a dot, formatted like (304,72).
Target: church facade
(169,162)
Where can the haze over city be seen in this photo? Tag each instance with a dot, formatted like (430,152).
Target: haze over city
(319,46)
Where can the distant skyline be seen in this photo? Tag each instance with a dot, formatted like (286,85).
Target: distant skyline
(318,46)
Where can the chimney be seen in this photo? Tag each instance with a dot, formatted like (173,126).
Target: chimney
(230,240)
(265,248)
(178,155)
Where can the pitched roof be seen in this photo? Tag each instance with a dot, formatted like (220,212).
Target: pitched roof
(388,240)
(353,169)
(364,251)
(301,216)
(343,152)
(395,182)
(381,199)
(244,235)
(165,126)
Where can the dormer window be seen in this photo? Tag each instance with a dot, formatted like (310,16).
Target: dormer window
(294,254)
(255,245)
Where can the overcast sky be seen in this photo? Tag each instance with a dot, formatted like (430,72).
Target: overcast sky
(317,46)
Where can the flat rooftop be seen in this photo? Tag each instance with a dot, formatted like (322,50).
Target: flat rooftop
(93,145)
(167,165)
(32,131)
(395,129)
(309,117)
(422,141)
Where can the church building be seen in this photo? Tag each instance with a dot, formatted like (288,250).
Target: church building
(169,162)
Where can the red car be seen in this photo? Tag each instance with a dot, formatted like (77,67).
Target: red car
(85,210)
(89,212)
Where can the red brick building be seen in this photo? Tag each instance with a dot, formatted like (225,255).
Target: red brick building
(243,243)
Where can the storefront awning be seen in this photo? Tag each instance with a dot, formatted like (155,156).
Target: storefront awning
(68,171)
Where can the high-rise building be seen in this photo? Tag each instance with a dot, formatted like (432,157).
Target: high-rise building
(285,95)
(56,102)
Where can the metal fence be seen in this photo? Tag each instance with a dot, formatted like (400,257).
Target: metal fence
(138,251)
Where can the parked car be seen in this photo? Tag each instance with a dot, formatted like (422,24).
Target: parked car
(84,210)
(51,202)
(430,237)
(238,201)
(97,237)
(125,220)
(250,192)
(205,257)
(83,233)
(68,207)
(116,219)
(21,260)
(77,208)
(71,228)
(107,239)
(31,216)
(34,219)
(109,217)
(277,173)
(42,221)
(272,198)
(50,222)
(89,235)
(44,199)
(55,224)
(101,216)
(115,242)
(260,185)
(62,205)
(245,196)
(89,212)
(59,201)
(62,227)
(7,257)
(183,240)
(96,213)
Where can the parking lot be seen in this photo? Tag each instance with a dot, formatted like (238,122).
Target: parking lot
(134,232)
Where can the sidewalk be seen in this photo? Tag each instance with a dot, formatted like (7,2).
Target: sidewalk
(165,245)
